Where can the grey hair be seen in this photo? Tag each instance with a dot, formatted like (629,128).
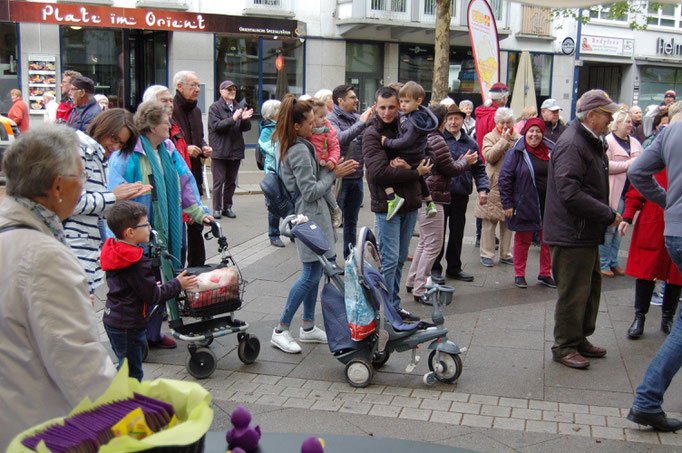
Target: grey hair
(181,77)
(305,97)
(466,102)
(503,114)
(447,101)
(270,109)
(619,117)
(497,95)
(582,116)
(323,95)
(149,115)
(153,91)
(37,157)
(48,94)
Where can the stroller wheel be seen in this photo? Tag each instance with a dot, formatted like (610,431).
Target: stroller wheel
(359,372)
(447,368)
(249,348)
(205,343)
(201,363)
(379,359)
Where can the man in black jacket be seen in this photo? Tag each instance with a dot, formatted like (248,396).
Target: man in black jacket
(227,121)
(577,214)
(550,115)
(460,189)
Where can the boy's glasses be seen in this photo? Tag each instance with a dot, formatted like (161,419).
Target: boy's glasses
(144,225)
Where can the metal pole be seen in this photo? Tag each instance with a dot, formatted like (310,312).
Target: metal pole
(576,64)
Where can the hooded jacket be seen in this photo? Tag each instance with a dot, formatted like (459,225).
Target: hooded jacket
(485,122)
(132,285)
(411,142)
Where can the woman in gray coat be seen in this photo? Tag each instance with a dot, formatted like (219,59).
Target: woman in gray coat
(300,172)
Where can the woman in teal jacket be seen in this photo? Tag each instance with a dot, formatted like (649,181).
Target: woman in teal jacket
(268,148)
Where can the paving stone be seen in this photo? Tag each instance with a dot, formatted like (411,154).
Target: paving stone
(600,410)
(526,414)
(496,411)
(618,422)
(465,408)
(241,376)
(271,400)
(298,403)
(243,397)
(221,395)
(477,421)
(430,394)
(455,396)
(543,405)
(340,387)
(244,386)
(269,389)
(587,419)
(322,394)
(406,402)
(381,410)
(449,418)
(295,392)
(376,399)
(266,379)
(513,402)
(670,438)
(608,433)
(509,423)
(574,430)
(327,405)
(638,435)
(576,408)
(316,385)
(537,426)
(350,397)
(554,416)
(484,399)
(415,414)
(374,389)
(355,408)
(439,405)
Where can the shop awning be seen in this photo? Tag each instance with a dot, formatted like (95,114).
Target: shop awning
(576,3)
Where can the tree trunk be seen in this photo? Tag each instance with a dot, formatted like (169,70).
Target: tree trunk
(441,60)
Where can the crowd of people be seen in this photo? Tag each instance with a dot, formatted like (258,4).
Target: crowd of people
(94,184)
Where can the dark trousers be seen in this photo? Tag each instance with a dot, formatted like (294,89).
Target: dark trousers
(196,253)
(350,200)
(224,182)
(455,218)
(578,288)
(128,344)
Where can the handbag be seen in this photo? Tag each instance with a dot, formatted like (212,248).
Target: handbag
(260,158)
(336,190)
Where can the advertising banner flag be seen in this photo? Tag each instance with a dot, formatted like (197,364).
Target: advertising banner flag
(483,34)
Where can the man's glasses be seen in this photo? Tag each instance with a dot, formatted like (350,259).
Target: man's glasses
(144,225)
(83,176)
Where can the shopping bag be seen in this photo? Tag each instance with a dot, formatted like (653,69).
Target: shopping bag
(361,315)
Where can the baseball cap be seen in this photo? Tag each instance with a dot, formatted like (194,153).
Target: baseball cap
(84,83)
(550,104)
(670,93)
(597,99)
(225,84)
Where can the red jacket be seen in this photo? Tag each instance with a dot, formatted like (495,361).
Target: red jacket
(485,122)
(64,109)
(19,114)
(648,258)
(181,145)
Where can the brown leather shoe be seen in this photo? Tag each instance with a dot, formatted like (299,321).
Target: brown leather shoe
(573,360)
(592,351)
(617,271)
(608,274)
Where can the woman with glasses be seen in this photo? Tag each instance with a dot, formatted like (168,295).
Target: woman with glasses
(84,229)
(155,161)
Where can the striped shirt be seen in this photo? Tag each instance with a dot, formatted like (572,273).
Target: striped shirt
(82,229)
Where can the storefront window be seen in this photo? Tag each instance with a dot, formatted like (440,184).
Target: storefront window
(364,69)
(240,60)
(416,63)
(9,65)
(655,81)
(542,73)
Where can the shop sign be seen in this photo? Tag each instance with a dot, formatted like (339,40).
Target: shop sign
(568,46)
(604,45)
(148,19)
(669,48)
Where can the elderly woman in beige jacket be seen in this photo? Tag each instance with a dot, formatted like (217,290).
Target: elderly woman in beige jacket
(496,143)
(50,355)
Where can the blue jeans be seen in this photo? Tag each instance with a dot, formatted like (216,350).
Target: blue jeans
(350,200)
(668,360)
(273,226)
(608,252)
(394,244)
(304,290)
(128,344)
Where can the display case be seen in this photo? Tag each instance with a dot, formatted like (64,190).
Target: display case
(42,77)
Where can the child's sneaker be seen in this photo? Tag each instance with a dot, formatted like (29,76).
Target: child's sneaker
(431,210)
(394,206)
(337,217)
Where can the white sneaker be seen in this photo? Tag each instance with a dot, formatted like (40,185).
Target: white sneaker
(313,336)
(284,342)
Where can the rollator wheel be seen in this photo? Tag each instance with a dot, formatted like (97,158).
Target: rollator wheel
(448,368)
(379,359)
(359,372)
(249,348)
(202,363)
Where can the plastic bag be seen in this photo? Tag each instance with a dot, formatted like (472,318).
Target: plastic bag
(361,316)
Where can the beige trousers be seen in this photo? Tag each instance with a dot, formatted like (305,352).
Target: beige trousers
(488,228)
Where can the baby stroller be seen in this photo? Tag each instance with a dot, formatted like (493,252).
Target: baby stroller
(204,308)
(392,334)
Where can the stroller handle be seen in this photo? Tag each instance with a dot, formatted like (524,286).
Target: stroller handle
(285,226)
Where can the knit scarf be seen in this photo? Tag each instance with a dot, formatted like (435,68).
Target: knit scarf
(541,151)
(167,219)
(49,218)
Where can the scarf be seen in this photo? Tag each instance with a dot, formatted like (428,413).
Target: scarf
(49,218)
(187,119)
(541,151)
(167,219)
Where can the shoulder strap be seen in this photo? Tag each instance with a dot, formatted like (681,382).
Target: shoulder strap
(17,226)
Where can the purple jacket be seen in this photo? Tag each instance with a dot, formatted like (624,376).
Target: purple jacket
(517,188)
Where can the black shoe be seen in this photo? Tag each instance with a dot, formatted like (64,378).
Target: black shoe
(277,242)
(547,281)
(666,325)
(216,214)
(520,282)
(409,289)
(421,300)
(657,421)
(407,316)
(637,327)
(461,276)
(228,213)
(437,278)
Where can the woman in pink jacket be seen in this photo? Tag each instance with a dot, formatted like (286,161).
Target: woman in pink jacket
(622,152)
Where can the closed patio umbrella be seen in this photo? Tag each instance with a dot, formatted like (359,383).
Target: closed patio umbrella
(524,85)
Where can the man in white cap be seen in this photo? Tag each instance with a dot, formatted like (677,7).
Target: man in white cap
(550,115)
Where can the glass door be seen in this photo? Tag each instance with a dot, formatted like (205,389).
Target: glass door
(147,65)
